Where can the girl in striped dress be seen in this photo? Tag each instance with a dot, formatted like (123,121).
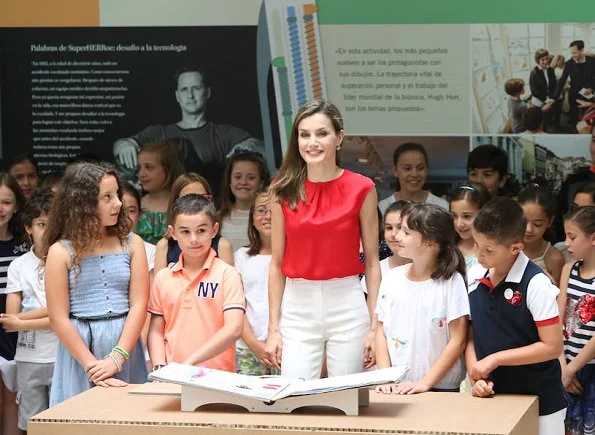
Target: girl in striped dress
(577,304)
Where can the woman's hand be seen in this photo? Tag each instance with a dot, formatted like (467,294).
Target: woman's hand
(274,348)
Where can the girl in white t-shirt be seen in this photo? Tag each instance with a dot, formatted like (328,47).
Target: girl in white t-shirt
(423,306)
(410,167)
(391,224)
(465,202)
(253,263)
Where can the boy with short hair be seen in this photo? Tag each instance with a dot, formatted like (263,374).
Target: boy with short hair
(488,165)
(197,306)
(515,337)
(516,107)
(26,312)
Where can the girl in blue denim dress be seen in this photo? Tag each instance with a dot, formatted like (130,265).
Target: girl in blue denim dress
(97,284)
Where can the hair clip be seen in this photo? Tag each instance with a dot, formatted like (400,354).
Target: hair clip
(464,186)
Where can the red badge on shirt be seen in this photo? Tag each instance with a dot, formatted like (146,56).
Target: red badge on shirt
(514,298)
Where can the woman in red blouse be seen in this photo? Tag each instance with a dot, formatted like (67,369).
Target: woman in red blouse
(321,212)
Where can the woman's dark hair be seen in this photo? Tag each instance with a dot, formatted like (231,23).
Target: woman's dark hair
(473,193)
(435,225)
(583,217)
(288,186)
(253,235)
(15,226)
(227,199)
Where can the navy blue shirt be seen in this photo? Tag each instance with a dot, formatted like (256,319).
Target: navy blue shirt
(506,316)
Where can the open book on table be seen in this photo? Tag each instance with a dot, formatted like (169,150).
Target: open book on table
(270,388)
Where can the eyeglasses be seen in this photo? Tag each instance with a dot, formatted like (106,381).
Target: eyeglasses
(208,197)
(261,211)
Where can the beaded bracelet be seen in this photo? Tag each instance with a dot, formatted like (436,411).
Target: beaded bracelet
(116,361)
(121,351)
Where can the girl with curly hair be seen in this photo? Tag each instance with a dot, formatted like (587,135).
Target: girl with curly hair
(97,285)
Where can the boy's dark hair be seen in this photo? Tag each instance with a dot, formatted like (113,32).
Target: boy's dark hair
(488,156)
(501,219)
(474,193)
(542,52)
(193,204)
(579,44)
(435,224)
(38,204)
(514,87)
(533,118)
(584,218)
(588,188)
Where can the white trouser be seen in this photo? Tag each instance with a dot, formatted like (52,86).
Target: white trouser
(552,424)
(329,315)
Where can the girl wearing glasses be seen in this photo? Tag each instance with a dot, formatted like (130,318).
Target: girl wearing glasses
(253,263)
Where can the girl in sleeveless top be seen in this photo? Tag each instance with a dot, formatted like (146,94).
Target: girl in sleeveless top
(97,284)
(168,251)
(577,307)
(539,208)
(159,164)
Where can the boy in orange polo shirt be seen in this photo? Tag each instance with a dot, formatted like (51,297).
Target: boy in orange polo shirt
(197,306)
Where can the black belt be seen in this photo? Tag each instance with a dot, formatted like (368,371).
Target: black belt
(88,320)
